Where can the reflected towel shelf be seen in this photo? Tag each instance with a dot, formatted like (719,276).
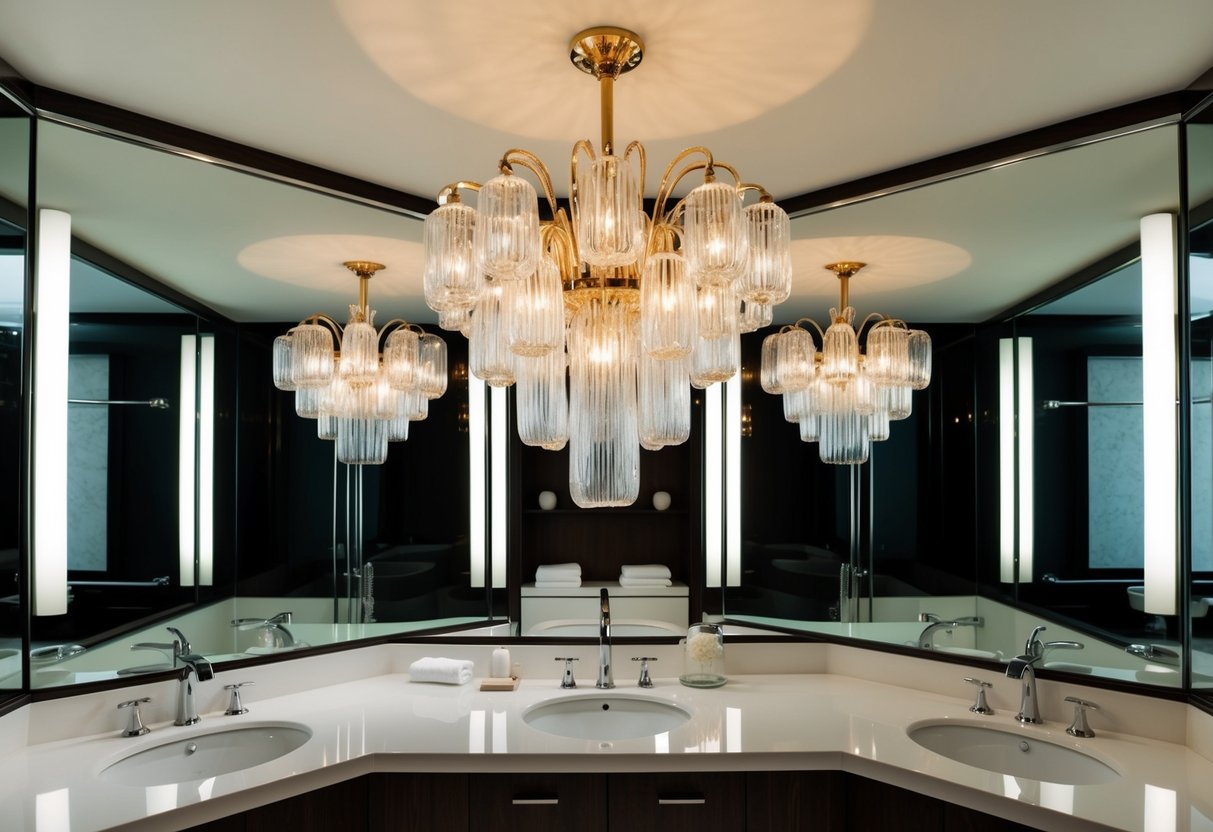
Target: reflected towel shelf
(590,589)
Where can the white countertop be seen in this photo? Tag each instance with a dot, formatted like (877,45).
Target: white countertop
(755,722)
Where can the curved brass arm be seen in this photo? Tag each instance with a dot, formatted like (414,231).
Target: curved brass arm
(816,326)
(763,194)
(450,193)
(321,318)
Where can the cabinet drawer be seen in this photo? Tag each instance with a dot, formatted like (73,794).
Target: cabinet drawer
(538,802)
(673,802)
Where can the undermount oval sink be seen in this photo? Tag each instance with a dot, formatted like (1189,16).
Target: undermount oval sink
(206,755)
(605,717)
(1016,753)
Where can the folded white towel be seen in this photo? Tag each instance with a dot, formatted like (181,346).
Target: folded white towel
(646,570)
(558,572)
(442,671)
(558,584)
(624,580)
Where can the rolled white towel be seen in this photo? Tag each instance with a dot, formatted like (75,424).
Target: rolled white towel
(558,572)
(442,671)
(558,584)
(646,570)
(624,580)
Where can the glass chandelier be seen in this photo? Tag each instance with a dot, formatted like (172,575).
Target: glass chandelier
(633,308)
(844,396)
(361,397)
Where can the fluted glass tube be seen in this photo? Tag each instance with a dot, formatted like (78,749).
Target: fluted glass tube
(769,366)
(718,310)
(715,359)
(400,358)
(609,222)
(919,349)
(809,429)
(886,359)
(843,433)
(384,399)
(840,350)
(668,311)
(542,401)
(715,240)
(795,359)
(326,426)
(362,441)
(507,228)
(901,402)
(663,402)
(359,348)
(307,401)
(311,355)
(536,319)
(488,344)
(282,363)
(456,320)
(414,405)
(878,422)
(430,377)
(451,277)
(796,404)
(398,426)
(767,278)
(755,316)
(604,448)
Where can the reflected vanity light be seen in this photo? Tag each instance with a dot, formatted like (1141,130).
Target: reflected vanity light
(498,442)
(713,473)
(196,461)
(186,459)
(476,471)
(732,467)
(1159,364)
(51,296)
(1016,445)
(487,449)
(206,461)
(722,483)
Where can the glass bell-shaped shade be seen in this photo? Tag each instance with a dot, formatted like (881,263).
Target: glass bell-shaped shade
(350,402)
(718,310)
(755,316)
(865,394)
(795,359)
(886,359)
(810,430)
(430,377)
(768,374)
(489,342)
(604,448)
(362,441)
(667,307)
(537,318)
(767,278)
(919,349)
(400,358)
(456,320)
(507,228)
(843,433)
(311,356)
(360,348)
(451,277)
(398,425)
(878,422)
(715,241)
(326,426)
(282,363)
(840,349)
(307,401)
(901,400)
(610,225)
(663,402)
(335,397)
(797,404)
(385,400)
(715,359)
(542,401)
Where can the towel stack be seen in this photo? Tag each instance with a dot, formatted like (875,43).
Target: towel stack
(441,671)
(558,576)
(645,574)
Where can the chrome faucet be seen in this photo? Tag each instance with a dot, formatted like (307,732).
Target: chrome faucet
(606,676)
(276,626)
(1021,667)
(1039,649)
(193,664)
(926,639)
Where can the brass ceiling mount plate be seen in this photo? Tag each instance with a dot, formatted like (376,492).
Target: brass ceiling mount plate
(845,268)
(606,51)
(363,268)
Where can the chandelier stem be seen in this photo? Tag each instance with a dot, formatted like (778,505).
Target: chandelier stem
(844,291)
(606,98)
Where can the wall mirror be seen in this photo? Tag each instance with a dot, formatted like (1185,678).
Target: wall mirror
(280,536)
(15,127)
(917,536)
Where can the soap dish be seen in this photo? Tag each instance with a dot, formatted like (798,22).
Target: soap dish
(507,683)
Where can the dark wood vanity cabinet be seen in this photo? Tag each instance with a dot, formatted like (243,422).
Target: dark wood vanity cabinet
(765,801)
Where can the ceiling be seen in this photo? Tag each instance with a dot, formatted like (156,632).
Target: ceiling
(798,96)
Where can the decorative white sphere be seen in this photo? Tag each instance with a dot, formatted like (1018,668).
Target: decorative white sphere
(661,500)
(547,500)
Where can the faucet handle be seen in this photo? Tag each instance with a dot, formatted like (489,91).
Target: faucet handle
(981,706)
(645,681)
(1079,727)
(1032,647)
(134,724)
(568,681)
(234,706)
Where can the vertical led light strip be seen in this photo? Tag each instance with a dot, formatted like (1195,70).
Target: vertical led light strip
(498,444)
(187,449)
(1006,460)
(713,480)
(1159,366)
(52,290)
(206,461)
(476,472)
(1026,431)
(732,468)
